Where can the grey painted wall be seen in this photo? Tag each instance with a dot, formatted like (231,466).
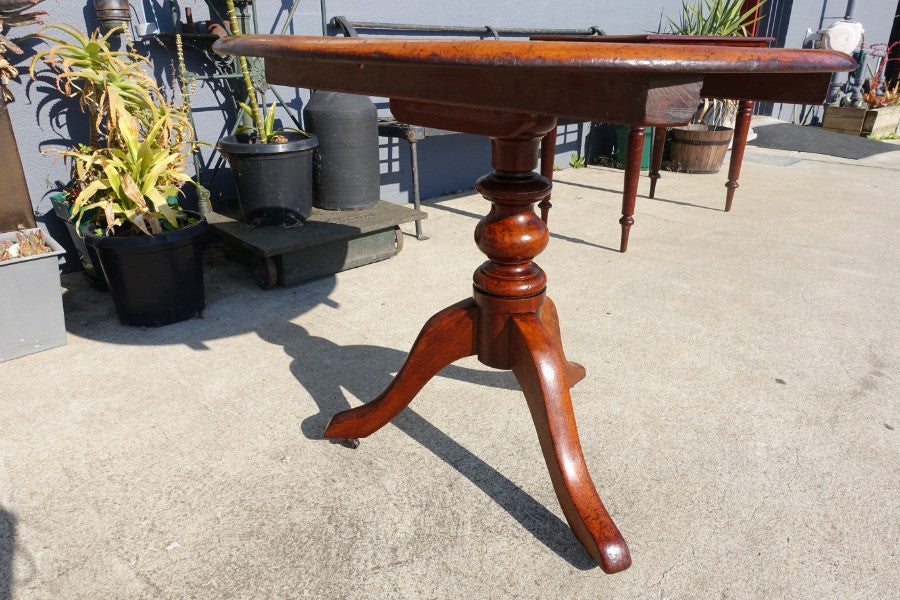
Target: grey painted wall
(448,163)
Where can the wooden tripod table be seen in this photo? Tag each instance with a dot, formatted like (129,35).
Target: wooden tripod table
(512,93)
(777,88)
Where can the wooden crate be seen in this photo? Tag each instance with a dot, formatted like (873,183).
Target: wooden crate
(861,121)
(882,121)
(844,119)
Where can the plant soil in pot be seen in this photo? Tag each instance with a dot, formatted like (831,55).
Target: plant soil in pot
(699,148)
(154,280)
(274,181)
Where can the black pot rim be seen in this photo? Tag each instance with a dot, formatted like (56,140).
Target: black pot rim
(149,243)
(232,145)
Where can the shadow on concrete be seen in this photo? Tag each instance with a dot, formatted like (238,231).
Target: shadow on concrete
(235,306)
(7,549)
(323,368)
(558,236)
(657,199)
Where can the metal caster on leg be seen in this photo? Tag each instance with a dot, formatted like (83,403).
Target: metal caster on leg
(352,443)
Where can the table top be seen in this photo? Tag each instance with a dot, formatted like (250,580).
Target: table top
(638,84)
(664,38)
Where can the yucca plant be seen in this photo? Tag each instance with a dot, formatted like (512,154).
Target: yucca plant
(266,133)
(722,18)
(263,130)
(14,13)
(715,17)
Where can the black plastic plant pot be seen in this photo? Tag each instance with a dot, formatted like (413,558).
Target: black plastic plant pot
(90,263)
(154,280)
(274,181)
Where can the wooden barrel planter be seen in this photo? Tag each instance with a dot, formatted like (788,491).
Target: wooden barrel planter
(699,148)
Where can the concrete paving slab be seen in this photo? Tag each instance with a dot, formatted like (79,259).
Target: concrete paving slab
(739,416)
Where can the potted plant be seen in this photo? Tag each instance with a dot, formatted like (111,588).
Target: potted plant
(32,316)
(700,146)
(85,67)
(272,167)
(15,202)
(126,183)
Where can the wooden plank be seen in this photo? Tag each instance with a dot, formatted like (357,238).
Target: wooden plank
(838,130)
(15,201)
(881,121)
(845,119)
(322,227)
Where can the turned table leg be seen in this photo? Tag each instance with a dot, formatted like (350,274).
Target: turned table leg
(656,156)
(741,129)
(548,156)
(510,324)
(634,152)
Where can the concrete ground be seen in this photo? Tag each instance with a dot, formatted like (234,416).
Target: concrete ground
(739,416)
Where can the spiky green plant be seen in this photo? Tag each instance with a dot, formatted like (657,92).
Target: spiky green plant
(14,13)
(715,17)
(131,185)
(267,133)
(106,81)
(125,180)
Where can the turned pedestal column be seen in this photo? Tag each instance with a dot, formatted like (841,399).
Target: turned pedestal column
(508,324)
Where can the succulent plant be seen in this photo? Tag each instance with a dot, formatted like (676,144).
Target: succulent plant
(14,13)
(28,243)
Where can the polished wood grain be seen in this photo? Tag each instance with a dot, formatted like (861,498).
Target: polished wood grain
(548,153)
(510,324)
(741,129)
(447,337)
(539,365)
(512,93)
(633,153)
(550,318)
(662,85)
(792,87)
